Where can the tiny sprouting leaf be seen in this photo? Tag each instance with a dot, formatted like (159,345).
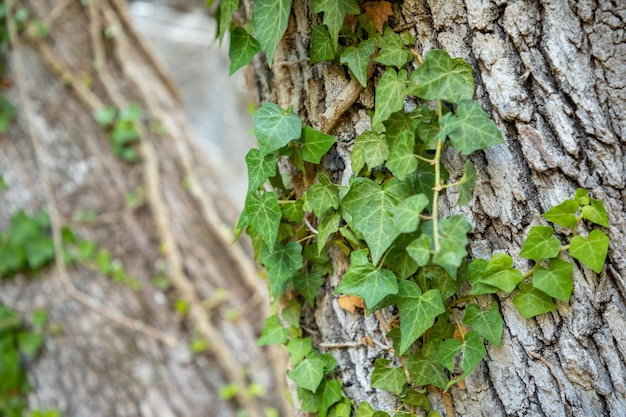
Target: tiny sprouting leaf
(275,127)
(407,212)
(388,378)
(500,273)
(443,78)
(323,196)
(563,214)
(540,243)
(531,302)
(390,93)
(591,251)
(488,323)
(596,213)
(273,332)
(452,241)
(358,59)
(334,13)
(270,18)
(419,249)
(282,265)
(227,8)
(243,47)
(425,371)
(369,148)
(468,182)
(323,48)
(364,280)
(556,281)
(582,196)
(266,218)
(293,210)
(308,285)
(369,210)
(315,144)
(392,50)
(476,130)
(328,225)
(260,168)
(308,373)
(298,349)
(448,350)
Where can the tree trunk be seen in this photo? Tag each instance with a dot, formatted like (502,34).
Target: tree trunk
(550,73)
(121,352)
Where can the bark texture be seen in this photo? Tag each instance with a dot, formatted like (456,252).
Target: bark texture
(125,353)
(551,74)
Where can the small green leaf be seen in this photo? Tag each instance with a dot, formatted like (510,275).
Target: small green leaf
(488,323)
(270,18)
(334,13)
(476,130)
(315,144)
(390,93)
(293,210)
(582,196)
(436,277)
(243,47)
(30,343)
(260,168)
(291,313)
(407,212)
(308,285)
(328,226)
(476,271)
(275,127)
(282,265)
(501,274)
(563,214)
(308,373)
(298,349)
(402,161)
(473,352)
(323,196)
(531,302)
(556,281)
(3,184)
(369,148)
(388,378)
(266,216)
(468,182)
(273,332)
(540,243)
(227,8)
(596,213)
(592,251)
(105,116)
(448,350)
(364,410)
(415,398)
(322,46)
(399,261)
(419,249)
(452,241)
(392,50)
(358,59)
(443,78)
(426,372)
(39,251)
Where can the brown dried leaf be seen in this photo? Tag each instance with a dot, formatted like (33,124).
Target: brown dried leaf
(351,302)
(378,12)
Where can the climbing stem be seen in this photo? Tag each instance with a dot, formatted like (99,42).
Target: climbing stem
(437,187)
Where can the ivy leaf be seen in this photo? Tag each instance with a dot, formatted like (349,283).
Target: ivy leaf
(275,127)
(436,277)
(364,280)
(243,47)
(369,148)
(273,333)
(308,285)
(323,48)
(227,8)
(540,243)
(425,371)
(563,214)
(500,274)
(531,302)
(260,168)
(427,126)
(323,197)
(443,78)
(364,410)
(473,352)
(419,249)
(334,13)
(39,250)
(556,281)
(282,265)
(270,18)
(402,161)
(368,210)
(308,373)
(388,378)
(392,50)
(407,212)
(582,196)
(390,93)
(293,210)
(476,130)
(400,262)
(448,350)
(452,241)
(596,213)
(592,251)
(476,271)
(298,349)
(358,59)
(488,323)
(328,226)
(378,12)
(467,183)
(266,216)
(315,144)
(398,125)
(291,313)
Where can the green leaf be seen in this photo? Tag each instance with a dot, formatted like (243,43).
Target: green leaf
(308,373)
(476,271)
(473,352)
(260,168)
(402,161)
(392,50)
(323,197)
(437,278)
(273,332)
(293,210)
(388,378)
(23,228)
(369,148)
(275,127)
(334,13)
(323,48)
(452,241)
(39,251)
(415,398)
(30,343)
(298,349)
(291,313)
(500,273)
(407,212)
(563,214)
(443,78)
(358,59)
(227,8)
(596,213)
(540,243)
(426,372)
(270,18)
(592,251)
(105,116)
(390,93)
(243,47)
(556,281)
(419,249)
(364,410)
(266,215)
(399,125)
(531,302)
(368,210)
(399,261)
(476,130)
(3,184)
(315,144)
(328,226)
(488,323)
(582,196)
(366,281)
(448,350)
(308,285)
(282,265)
(468,182)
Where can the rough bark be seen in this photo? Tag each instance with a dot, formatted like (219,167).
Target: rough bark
(550,73)
(125,353)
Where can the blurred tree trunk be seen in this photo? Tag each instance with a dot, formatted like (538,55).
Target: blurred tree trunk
(551,74)
(121,352)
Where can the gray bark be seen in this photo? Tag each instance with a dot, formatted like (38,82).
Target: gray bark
(551,74)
